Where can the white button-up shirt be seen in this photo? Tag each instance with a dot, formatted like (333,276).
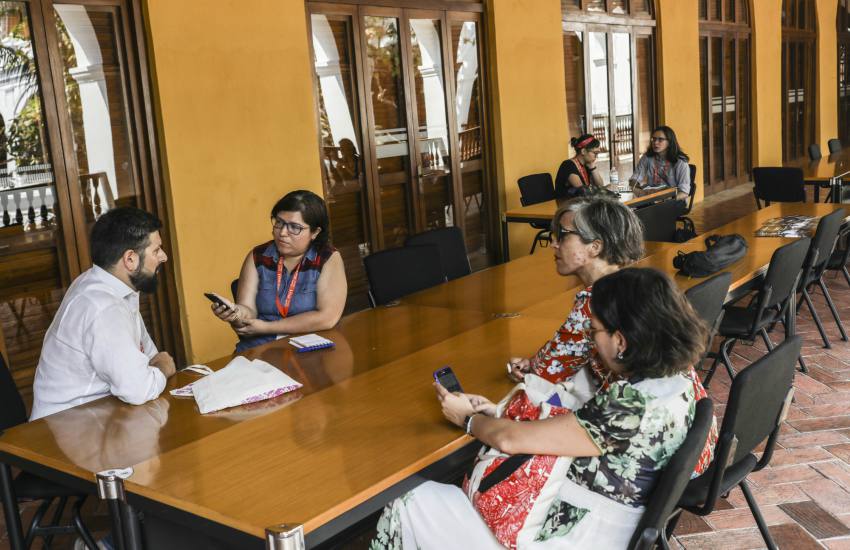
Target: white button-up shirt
(97,345)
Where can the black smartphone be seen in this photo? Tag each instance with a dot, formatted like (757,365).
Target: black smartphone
(214,298)
(446,378)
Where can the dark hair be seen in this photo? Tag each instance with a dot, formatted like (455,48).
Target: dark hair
(312,209)
(592,144)
(664,334)
(609,221)
(120,230)
(674,152)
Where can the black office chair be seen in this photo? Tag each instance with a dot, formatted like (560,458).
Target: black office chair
(707,299)
(29,487)
(534,189)
(397,272)
(659,220)
(817,260)
(758,401)
(814,152)
(834,145)
(234,288)
(449,241)
(673,481)
(769,306)
(778,184)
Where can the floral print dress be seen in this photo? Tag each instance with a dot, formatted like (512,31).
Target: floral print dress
(638,424)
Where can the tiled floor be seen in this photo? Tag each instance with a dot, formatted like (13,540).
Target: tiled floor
(805,493)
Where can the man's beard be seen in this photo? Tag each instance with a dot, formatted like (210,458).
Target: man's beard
(145,282)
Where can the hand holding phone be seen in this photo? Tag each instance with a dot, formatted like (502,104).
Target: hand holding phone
(218,300)
(446,378)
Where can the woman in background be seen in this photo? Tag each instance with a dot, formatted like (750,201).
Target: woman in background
(663,165)
(577,174)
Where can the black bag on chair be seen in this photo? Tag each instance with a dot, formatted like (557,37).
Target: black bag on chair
(720,251)
(686,232)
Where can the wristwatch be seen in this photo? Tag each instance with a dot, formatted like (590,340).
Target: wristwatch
(467,423)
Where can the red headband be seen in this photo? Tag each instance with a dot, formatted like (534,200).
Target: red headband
(581,144)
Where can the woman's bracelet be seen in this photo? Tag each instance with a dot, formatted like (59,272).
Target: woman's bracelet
(467,423)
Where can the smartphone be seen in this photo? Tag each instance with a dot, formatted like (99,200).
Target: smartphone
(216,299)
(446,378)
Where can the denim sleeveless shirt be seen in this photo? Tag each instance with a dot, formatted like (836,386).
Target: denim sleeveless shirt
(303,299)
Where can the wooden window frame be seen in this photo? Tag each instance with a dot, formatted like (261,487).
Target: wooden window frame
(634,26)
(740,33)
(799,33)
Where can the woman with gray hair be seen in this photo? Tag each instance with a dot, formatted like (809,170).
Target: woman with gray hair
(591,237)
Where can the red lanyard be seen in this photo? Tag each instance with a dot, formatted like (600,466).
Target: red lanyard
(582,171)
(283,308)
(655,178)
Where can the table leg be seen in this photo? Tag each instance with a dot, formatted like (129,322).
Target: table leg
(10,509)
(791,323)
(835,185)
(506,246)
(132,528)
(285,537)
(110,488)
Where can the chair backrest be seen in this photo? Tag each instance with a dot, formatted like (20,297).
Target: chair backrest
(13,411)
(692,169)
(785,266)
(659,220)
(396,272)
(536,188)
(779,184)
(449,241)
(834,145)
(814,152)
(756,401)
(675,476)
(823,242)
(234,288)
(707,297)
(754,411)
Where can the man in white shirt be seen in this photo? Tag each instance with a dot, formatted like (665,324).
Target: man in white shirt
(97,344)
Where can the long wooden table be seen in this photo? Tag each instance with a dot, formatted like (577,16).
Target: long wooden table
(365,427)
(543,212)
(832,169)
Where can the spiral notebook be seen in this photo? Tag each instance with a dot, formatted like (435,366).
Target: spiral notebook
(310,342)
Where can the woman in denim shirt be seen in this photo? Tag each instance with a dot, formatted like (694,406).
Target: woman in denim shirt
(294,283)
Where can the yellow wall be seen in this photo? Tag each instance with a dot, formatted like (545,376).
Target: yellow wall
(233,92)
(767,82)
(678,74)
(528,100)
(826,125)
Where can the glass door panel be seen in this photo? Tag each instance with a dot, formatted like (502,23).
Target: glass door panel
(35,240)
(716,91)
(341,151)
(622,148)
(434,162)
(646,110)
(386,97)
(730,129)
(469,119)
(599,111)
(96,98)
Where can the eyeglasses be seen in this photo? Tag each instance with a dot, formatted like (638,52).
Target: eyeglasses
(590,332)
(293,228)
(563,233)
(658,139)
